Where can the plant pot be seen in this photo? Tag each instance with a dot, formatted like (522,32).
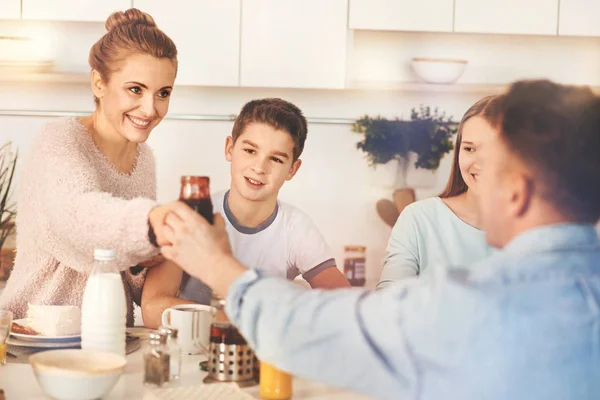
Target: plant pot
(7,258)
(419,178)
(391,175)
(7,254)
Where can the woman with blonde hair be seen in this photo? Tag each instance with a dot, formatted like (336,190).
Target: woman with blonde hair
(444,229)
(90,182)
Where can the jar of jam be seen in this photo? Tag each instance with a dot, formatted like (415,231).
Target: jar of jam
(195,192)
(354,264)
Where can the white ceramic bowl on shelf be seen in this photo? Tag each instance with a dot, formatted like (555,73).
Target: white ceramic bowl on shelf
(438,70)
(77,374)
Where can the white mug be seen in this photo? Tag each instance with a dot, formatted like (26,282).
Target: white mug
(193,325)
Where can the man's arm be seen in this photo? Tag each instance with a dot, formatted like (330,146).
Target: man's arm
(160,292)
(347,338)
(329,278)
(382,343)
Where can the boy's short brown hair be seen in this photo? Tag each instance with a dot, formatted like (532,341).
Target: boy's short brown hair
(278,113)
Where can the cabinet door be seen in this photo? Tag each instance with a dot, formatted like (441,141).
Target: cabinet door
(207,36)
(525,17)
(10,9)
(402,15)
(295,44)
(72,10)
(579,17)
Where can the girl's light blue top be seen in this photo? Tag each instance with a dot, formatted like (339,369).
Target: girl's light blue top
(426,233)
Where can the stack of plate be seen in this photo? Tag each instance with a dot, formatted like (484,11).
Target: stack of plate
(41,341)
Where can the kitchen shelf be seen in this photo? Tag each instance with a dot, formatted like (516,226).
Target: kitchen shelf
(477,88)
(428,87)
(12,75)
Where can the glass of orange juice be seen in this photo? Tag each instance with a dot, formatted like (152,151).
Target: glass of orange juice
(6,318)
(274,383)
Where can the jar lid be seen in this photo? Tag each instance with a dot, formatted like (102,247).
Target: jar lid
(168,331)
(105,254)
(217,302)
(355,248)
(195,179)
(157,337)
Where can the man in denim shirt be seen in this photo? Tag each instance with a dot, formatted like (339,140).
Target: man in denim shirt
(523,324)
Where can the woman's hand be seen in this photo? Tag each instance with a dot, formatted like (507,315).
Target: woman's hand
(156,218)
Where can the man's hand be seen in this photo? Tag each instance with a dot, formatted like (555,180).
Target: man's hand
(201,249)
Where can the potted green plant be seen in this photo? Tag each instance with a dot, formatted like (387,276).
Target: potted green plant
(8,163)
(408,152)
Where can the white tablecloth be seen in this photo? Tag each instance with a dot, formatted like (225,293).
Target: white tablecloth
(19,382)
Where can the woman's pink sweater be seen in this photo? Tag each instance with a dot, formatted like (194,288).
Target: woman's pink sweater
(71,200)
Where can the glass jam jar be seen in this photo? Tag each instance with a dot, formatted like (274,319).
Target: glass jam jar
(354,264)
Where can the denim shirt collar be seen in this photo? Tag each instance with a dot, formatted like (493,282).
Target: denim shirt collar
(509,264)
(552,238)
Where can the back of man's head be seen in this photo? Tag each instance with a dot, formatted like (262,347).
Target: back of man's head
(555,130)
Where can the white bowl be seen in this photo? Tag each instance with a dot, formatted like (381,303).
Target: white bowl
(77,374)
(438,70)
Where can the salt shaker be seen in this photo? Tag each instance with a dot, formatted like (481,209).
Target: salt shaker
(173,349)
(157,361)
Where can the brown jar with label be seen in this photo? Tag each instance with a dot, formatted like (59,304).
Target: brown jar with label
(354,264)
(195,192)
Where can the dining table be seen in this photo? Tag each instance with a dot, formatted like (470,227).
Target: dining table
(18,381)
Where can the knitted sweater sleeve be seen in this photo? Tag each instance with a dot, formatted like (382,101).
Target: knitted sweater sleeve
(82,215)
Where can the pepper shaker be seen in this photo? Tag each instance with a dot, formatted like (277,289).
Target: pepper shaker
(157,369)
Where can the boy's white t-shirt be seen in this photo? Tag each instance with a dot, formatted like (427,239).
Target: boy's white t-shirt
(287,244)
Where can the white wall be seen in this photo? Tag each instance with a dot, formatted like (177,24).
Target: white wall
(332,185)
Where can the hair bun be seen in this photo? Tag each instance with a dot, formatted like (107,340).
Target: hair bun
(131,16)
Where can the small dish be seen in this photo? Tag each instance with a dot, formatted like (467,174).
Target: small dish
(439,70)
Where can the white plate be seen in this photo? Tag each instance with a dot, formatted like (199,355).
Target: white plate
(43,345)
(42,338)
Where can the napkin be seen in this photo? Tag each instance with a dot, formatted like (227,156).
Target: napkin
(213,391)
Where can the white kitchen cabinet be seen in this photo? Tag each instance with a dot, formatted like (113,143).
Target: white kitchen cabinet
(294,44)
(10,9)
(72,10)
(402,15)
(579,17)
(524,17)
(207,36)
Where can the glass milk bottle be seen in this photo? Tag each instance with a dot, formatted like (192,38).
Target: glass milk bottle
(104,308)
